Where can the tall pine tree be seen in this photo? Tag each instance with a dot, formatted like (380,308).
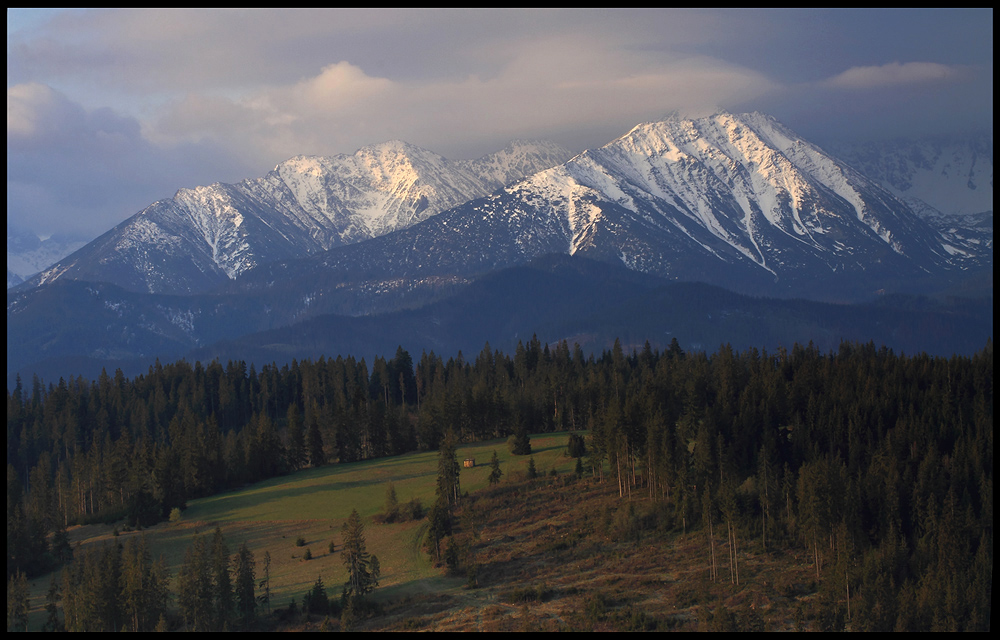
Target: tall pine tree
(243,569)
(362,567)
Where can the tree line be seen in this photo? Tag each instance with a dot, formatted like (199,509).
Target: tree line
(866,457)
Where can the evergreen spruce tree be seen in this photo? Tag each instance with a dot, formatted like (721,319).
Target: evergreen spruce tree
(17,602)
(438,526)
(362,567)
(222,582)
(106,584)
(265,583)
(52,606)
(448,488)
(314,444)
(316,601)
(495,471)
(519,443)
(61,549)
(194,587)
(391,504)
(576,448)
(144,586)
(348,615)
(72,576)
(243,568)
(296,438)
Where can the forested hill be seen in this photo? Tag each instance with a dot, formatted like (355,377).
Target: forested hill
(889,456)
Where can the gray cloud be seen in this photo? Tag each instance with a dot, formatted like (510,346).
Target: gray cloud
(895,74)
(548,85)
(79,172)
(109,110)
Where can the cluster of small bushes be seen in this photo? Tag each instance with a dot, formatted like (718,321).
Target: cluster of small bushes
(412,510)
(568,541)
(632,619)
(739,619)
(627,522)
(395,512)
(540,593)
(594,610)
(301,542)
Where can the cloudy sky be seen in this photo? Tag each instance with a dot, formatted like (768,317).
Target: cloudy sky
(110,110)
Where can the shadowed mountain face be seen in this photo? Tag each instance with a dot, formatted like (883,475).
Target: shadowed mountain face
(556,297)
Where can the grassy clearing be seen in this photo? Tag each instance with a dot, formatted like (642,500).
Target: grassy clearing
(314,503)
(556,553)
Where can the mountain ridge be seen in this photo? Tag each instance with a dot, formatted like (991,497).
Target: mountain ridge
(711,200)
(935,175)
(205,236)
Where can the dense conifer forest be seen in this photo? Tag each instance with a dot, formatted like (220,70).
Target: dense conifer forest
(881,465)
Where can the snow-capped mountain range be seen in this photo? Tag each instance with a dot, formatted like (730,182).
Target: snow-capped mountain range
(722,190)
(205,236)
(737,188)
(734,200)
(684,199)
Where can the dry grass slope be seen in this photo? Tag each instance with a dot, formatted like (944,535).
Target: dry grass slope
(559,553)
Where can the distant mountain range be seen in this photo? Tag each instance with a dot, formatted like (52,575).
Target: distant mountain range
(733,200)
(27,254)
(935,176)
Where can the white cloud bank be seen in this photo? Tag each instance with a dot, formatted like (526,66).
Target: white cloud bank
(897,74)
(554,84)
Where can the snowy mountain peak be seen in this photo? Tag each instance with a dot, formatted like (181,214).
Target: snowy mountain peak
(208,234)
(733,187)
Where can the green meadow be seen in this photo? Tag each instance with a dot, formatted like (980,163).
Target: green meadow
(313,504)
